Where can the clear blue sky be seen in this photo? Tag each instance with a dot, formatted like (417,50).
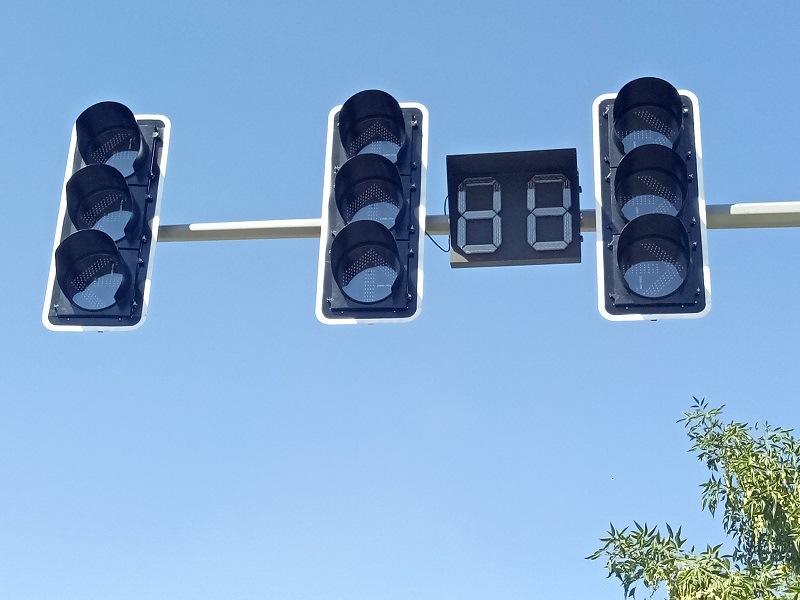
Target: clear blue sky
(234,447)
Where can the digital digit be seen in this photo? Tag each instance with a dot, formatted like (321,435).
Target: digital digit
(479,187)
(549,211)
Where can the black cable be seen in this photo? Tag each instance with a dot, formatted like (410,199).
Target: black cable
(437,245)
(448,236)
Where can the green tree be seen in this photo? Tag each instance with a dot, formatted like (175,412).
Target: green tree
(755,479)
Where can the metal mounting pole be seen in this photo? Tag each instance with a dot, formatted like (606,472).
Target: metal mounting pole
(720,216)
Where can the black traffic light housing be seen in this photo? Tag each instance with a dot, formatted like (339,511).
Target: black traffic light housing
(652,251)
(108,221)
(373,211)
(514,208)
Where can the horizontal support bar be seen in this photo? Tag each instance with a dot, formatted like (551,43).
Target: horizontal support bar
(240,230)
(720,216)
(754,215)
(267,230)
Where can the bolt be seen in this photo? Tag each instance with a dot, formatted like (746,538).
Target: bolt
(412,229)
(413,187)
(694,245)
(685,110)
(610,245)
(605,112)
(414,122)
(140,261)
(409,297)
(329,300)
(606,160)
(148,198)
(144,239)
(155,133)
(690,177)
(693,222)
(414,166)
(689,154)
(697,292)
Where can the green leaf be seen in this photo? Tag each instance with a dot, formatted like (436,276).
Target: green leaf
(755,483)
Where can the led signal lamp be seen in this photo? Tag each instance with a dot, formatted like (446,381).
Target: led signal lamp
(652,251)
(514,208)
(108,221)
(373,211)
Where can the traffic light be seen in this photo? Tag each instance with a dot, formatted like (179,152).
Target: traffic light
(514,208)
(108,221)
(652,253)
(373,211)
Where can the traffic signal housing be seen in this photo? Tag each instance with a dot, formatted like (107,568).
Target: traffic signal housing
(514,208)
(108,221)
(652,251)
(373,211)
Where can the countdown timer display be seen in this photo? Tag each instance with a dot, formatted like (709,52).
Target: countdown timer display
(514,208)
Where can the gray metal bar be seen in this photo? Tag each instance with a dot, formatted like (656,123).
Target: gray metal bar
(267,230)
(754,215)
(240,230)
(720,216)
